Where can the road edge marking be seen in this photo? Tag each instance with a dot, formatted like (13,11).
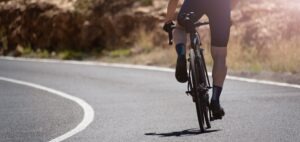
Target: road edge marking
(88,111)
(144,67)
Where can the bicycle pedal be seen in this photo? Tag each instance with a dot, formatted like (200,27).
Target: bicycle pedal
(188,92)
(216,118)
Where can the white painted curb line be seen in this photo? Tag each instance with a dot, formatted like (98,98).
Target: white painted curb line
(87,109)
(145,68)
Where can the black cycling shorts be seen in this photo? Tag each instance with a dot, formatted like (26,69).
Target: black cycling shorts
(218,12)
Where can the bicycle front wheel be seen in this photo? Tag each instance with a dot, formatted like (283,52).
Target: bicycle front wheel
(195,78)
(204,83)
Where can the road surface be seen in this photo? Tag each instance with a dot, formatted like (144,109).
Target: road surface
(134,105)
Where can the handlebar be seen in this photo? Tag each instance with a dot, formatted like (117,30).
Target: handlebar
(170,33)
(169,28)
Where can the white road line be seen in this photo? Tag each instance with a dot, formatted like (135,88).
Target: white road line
(87,109)
(89,63)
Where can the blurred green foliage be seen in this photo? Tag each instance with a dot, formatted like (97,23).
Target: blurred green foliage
(120,53)
(146,2)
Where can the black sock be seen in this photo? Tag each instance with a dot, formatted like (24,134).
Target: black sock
(180,49)
(216,93)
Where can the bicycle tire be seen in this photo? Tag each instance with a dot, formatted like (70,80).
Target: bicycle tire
(206,114)
(203,79)
(196,93)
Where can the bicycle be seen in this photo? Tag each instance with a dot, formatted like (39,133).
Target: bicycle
(198,80)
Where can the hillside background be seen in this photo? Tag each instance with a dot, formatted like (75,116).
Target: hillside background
(264,42)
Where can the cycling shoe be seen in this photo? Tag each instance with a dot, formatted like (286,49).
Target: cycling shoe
(217,110)
(181,69)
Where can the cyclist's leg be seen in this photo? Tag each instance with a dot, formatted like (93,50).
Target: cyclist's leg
(219,65)
(196,6)
(180,36)
(180,39)
(219,73)
(219,18)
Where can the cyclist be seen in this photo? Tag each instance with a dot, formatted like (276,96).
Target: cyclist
(218,12)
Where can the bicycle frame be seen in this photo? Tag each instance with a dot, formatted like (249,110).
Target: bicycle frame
(196,46)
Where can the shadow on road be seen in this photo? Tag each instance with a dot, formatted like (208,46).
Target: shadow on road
(188,132)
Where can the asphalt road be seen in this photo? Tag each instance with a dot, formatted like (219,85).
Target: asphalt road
(135,105)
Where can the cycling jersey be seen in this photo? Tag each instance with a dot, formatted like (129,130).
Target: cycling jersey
(218,12)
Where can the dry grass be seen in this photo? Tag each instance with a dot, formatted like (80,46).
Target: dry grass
(278,56)
(285,57)
(145,50)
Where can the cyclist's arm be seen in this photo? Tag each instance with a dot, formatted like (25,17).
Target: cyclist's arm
(172,5)
(234,3)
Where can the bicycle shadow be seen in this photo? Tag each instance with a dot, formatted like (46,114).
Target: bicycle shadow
(188,132)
